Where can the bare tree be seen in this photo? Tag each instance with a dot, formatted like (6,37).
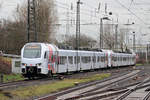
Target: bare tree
(15,32)
(108,36)
(45,19)
(85,41)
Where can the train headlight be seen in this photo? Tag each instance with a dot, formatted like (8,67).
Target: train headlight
(24,64)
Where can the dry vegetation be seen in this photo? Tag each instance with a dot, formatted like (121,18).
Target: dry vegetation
(32,91)
(5,65)
(13,34)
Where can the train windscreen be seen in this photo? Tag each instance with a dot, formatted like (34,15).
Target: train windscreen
(32,51)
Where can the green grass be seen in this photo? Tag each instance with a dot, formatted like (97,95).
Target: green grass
(12,77)
(38,90)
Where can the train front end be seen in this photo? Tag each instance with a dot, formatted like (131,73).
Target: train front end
(31,60)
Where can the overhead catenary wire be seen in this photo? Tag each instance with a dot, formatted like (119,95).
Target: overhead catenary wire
(131,12)
(83,11)
(132,1)
(67,6)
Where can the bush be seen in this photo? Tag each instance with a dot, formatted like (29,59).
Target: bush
(5,66)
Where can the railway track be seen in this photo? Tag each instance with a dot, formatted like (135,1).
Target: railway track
(91,90)
(138,92)
(11,84)
(26,82)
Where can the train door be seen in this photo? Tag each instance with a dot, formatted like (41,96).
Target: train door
(45,63)
(93,61)
(102,60)
(70,64)
(62,67)
(79,61)
(109,59)
(54,61)
(97,61)
(106,61)
(52,58)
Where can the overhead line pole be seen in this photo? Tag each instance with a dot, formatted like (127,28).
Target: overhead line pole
(31,21)
(78,30)
(134,47)
(28,22)
(116,35)
(35,37)
(101,33)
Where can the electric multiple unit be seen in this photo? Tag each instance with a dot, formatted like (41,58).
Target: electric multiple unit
(40,59)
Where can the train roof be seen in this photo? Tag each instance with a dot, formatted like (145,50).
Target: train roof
(70,48)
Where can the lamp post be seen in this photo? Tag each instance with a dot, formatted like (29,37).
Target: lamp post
(134,47)
(147,51)
(78,30)
(101,33)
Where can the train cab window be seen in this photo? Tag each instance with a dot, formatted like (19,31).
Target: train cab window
(70,59)
(32,51)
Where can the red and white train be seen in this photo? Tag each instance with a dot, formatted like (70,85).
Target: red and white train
(47,59)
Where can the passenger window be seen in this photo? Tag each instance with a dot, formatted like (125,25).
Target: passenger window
(63,60)
(98,59)
(77,60)
(70,59)
(94,59)
(45,55)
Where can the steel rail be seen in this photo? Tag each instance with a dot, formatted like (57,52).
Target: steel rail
(147,96)
(133,89)
(84,86)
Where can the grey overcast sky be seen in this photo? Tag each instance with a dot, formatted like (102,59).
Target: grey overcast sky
(137,11)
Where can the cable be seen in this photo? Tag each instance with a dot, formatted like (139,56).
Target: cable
(91,6)
(131,12)
(131,4)
(83,11)
(62,3)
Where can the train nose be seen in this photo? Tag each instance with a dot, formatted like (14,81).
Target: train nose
(31,69)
